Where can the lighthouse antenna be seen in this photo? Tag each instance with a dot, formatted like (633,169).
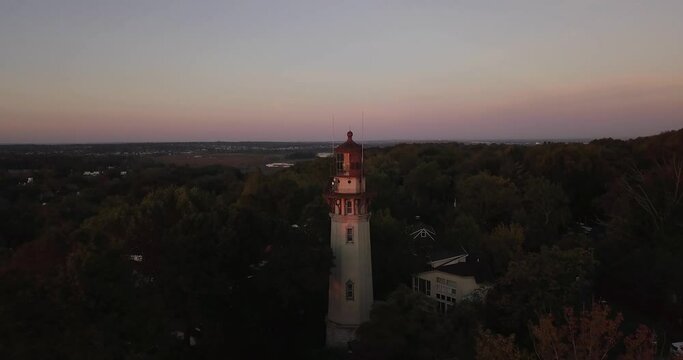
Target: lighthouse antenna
(362,142)
(332,163)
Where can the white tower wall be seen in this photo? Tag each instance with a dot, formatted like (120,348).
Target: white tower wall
(352,262)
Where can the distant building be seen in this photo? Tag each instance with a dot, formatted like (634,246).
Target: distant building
(28,181)
(279,165)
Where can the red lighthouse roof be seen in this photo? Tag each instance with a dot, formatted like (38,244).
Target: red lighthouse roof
(349,146)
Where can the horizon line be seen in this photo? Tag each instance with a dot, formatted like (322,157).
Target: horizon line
(327,141)
(502,139)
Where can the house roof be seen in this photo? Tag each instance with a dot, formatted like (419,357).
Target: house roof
(443,254)
(440,257)
(471,267)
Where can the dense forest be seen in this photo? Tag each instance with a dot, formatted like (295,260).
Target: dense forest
(148,260)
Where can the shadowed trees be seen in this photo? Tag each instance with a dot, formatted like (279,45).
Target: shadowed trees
(488,199)
(204,264)
(406,326)
(242,257)
(540,282)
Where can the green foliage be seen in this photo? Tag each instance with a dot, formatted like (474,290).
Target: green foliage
(406,326)
(489,199)
(546,211)
(245,257)
(540,282)
(501,246)
(394,259)
(463,232)
(31,322)
(428,188)
(643,246)
(207,263)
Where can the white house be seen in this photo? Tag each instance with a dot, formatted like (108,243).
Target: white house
(449,276)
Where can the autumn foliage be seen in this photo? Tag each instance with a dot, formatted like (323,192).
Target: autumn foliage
(588,335)
(492,346)
(591,334)
(640,345)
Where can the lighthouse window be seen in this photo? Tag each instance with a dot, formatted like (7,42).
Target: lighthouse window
(349,206)
(349,235)
(349,290)
(340,162)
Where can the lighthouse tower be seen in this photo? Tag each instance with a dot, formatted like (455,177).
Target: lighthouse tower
(350,293)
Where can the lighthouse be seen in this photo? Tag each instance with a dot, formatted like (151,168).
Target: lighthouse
(350,291)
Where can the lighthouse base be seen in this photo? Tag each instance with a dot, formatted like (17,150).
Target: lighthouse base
(339,335)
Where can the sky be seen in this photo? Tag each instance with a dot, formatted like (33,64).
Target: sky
(74,71)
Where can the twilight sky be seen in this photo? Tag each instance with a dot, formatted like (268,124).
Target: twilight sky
(167,70)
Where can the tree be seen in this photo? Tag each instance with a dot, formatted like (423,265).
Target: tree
(640,345)
(403,327)
(463,322)
(462,232)
(546,211)
(589,335)
(391,247)
(430,190)
(642,248)
(581,170)
(489,199)
(492,346)
(407,326)
(32,323)
(540,282)
(502,245)
(204,264)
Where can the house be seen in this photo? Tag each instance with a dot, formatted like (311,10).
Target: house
(452,279)
(450,276)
